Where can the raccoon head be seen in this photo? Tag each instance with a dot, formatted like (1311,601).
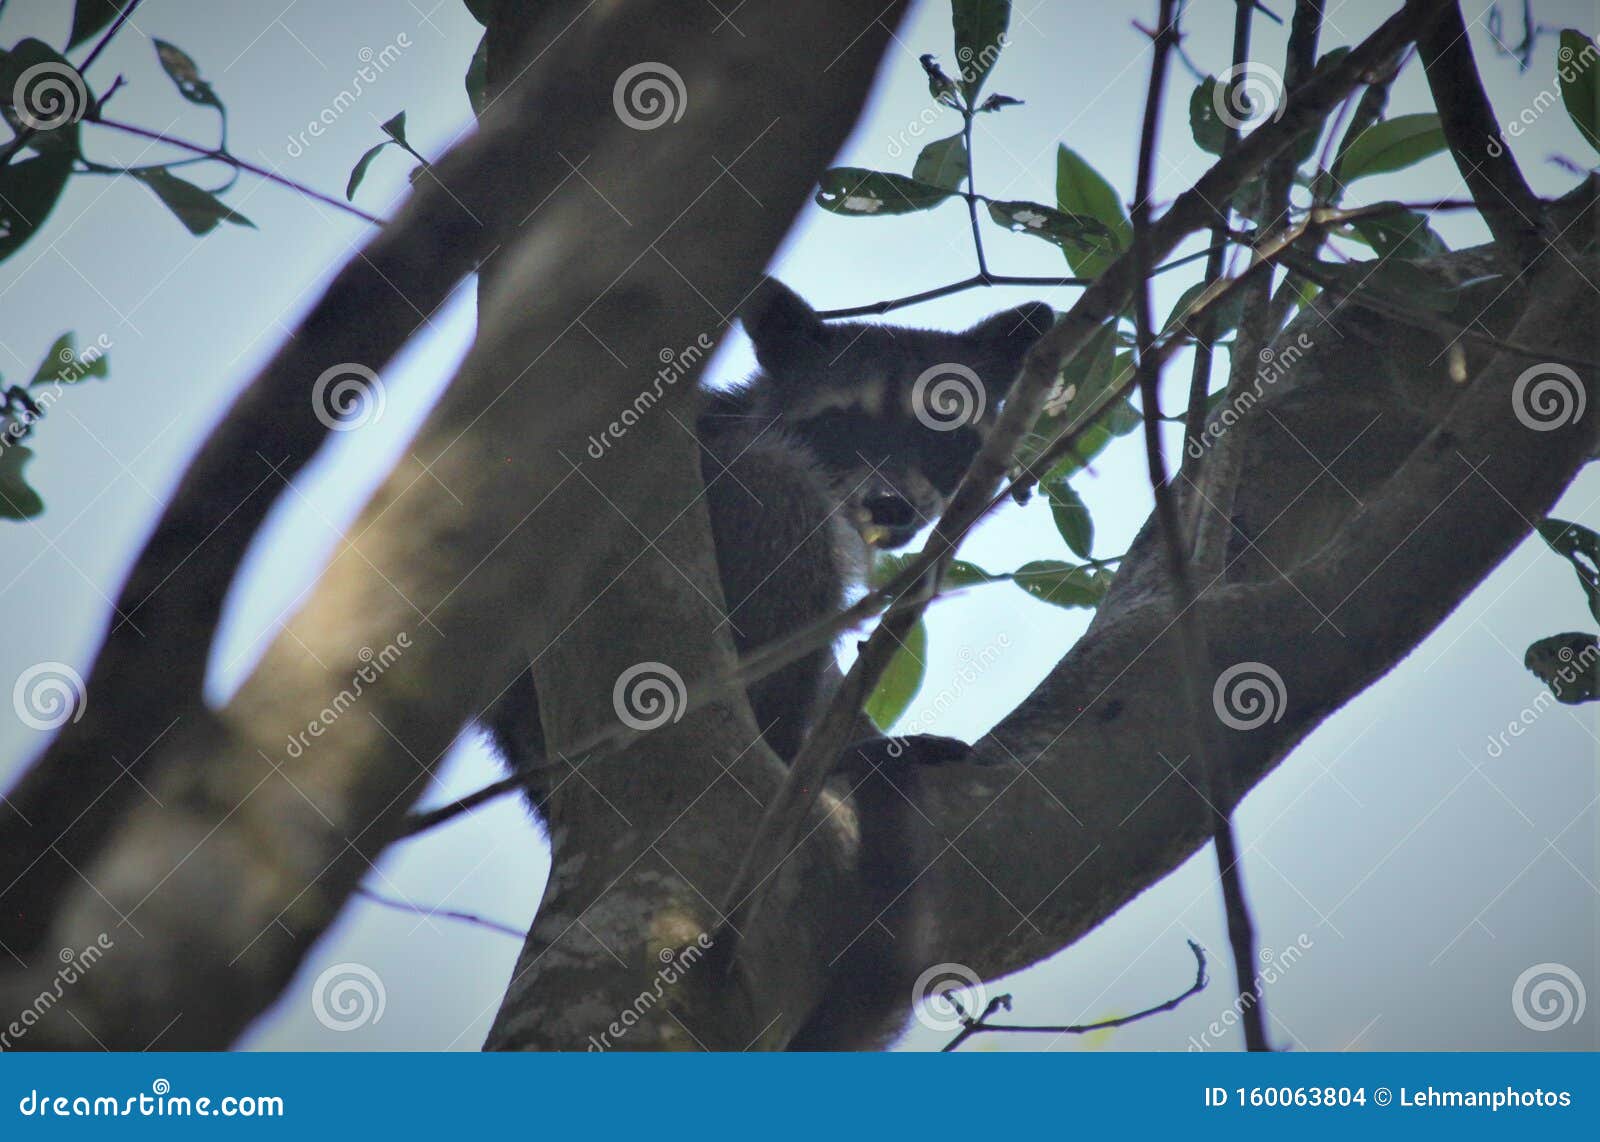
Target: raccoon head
(895,415)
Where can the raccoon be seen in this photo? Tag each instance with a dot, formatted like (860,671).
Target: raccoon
(849,438)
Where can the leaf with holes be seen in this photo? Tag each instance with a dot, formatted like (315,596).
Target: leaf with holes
(863,193)
(1569,664)
(901,680)
(1400,234)
(1578,73)
(1078,235)
(980,32)
(1062,584)
(185,74)
(942,162)
(199,210)
(1580,547)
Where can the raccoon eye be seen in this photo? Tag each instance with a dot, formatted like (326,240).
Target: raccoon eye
(841,437)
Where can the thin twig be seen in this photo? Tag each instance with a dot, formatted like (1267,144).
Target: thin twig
(240,164)
(976,281)
(446,913)
(1196,655)
(977,1026)
(1205,331)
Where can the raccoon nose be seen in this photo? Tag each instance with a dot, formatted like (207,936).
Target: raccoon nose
(889,510)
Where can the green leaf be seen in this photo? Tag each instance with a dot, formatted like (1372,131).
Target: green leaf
(960,573)
(1072,517)
(942,162)
(359,172)
(1083,191)
(43,96)
(90,17)
(1392,145)
(862,193)
(1225,315)
(477,79)
(901,680)
(185,74)
(980,32)
(17,499)
(395,128)
(1579,77)
(1400,234)
(1078,235)
(1207,127)
(1063,584)
(1569,664)
(199,210)
(1580,547)
(61,354)
(28,192)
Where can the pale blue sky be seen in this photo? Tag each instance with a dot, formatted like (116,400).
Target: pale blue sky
(1425,874)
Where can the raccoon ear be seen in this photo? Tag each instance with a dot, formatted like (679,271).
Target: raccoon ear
(784,329)
(1006,338)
